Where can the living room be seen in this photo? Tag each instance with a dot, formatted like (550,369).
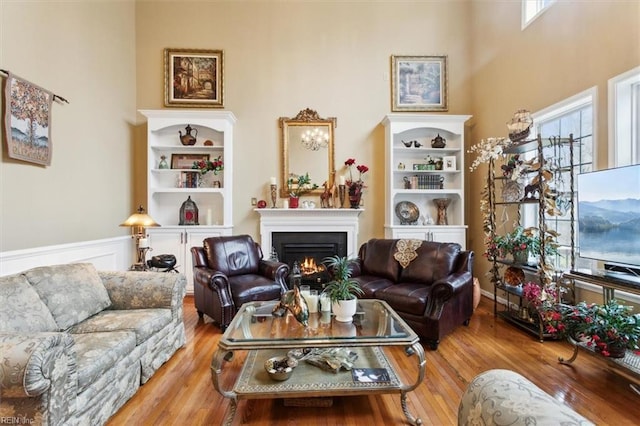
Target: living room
(106,59)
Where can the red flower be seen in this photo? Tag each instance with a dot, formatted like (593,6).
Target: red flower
(350,162)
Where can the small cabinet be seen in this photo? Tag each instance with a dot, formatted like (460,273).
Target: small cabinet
(424,161)
(178,241)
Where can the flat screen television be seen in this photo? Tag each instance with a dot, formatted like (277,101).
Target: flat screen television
(609,217)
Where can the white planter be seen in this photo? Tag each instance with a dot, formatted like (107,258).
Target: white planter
(344,310)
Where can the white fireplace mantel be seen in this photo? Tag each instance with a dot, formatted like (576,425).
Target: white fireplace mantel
(309,220)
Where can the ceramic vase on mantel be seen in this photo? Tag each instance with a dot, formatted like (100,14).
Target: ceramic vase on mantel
(294,202)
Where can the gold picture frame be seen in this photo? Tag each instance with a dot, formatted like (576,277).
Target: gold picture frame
(418,83)
(193,78)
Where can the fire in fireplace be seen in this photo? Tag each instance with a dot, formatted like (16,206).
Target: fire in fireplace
(309,249)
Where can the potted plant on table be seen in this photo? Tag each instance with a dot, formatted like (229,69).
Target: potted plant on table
(298,185)
(342,290)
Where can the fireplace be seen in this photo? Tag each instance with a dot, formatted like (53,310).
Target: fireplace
(309,249)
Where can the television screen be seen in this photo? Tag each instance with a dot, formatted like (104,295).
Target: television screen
(609,215)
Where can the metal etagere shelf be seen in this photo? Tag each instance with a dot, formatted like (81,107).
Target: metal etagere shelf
(556,166)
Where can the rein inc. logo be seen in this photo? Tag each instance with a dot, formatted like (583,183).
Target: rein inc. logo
(20,420)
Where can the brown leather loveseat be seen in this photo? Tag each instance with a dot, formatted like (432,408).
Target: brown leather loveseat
(433,292)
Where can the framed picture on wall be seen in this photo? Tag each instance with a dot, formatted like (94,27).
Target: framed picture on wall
(193,78)
(418,83)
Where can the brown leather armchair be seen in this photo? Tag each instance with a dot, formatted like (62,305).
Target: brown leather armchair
(230,271)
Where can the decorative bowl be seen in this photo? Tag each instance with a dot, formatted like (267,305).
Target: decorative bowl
(280,368)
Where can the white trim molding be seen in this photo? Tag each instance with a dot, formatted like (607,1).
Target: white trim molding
(110,254)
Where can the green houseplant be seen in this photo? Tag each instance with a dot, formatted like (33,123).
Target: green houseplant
(342,290)
(519,243)
(298,185)
(609,329)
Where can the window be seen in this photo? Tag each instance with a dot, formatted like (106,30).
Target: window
(573,116)
(531,9)
(624,110)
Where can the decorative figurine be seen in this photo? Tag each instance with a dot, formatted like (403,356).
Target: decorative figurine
(188,139)
(293,301)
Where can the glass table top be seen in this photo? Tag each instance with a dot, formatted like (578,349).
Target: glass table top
(374,324)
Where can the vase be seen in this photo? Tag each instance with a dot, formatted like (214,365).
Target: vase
(355,195)
(344,310)
(442,204)
(521,256)
(617,349)
(294,202)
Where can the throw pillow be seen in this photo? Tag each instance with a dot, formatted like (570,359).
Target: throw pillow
(72,292)
(21,309)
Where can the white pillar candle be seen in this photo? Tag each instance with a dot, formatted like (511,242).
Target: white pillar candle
(209,217)
(143,243)
(285,204)
(272,181)
(342,182)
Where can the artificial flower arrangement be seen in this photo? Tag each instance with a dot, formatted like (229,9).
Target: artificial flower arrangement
(205,166)
(299,184)
(356,184)
(519,242)
(609,329)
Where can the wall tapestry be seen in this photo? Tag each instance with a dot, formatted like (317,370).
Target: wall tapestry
(28,120)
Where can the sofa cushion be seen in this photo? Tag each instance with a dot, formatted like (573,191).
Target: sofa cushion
(406,297)
(142,322)
(434,261)
(232,255)
(96,353)
(370,285)
(21,309)
(378,259)
(72,292)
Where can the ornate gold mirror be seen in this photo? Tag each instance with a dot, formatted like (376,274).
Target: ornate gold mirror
(307,147)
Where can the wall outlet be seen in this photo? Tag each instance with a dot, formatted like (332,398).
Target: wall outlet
(254,201)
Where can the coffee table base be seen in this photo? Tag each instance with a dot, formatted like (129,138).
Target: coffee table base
(309,382)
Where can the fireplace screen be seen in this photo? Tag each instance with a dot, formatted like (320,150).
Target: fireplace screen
(309,249)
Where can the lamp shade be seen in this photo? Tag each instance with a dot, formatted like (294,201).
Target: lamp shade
(140,218)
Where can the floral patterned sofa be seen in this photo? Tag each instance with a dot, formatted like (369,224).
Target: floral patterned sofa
(504,397)
(77,343)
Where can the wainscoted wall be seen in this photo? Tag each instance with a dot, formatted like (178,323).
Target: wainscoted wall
(110,254)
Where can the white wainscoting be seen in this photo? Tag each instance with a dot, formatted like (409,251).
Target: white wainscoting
(112,254)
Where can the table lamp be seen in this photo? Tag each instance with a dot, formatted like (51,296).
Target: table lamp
(138,222)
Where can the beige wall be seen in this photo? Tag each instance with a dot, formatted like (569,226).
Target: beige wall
(573,46)
(281,57)
(85,52)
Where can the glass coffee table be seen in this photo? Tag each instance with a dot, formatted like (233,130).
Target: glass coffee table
(254,329)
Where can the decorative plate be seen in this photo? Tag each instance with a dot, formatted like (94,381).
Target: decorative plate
(407,212)
(512,191)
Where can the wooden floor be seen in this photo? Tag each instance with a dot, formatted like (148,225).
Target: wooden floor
(181,392)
